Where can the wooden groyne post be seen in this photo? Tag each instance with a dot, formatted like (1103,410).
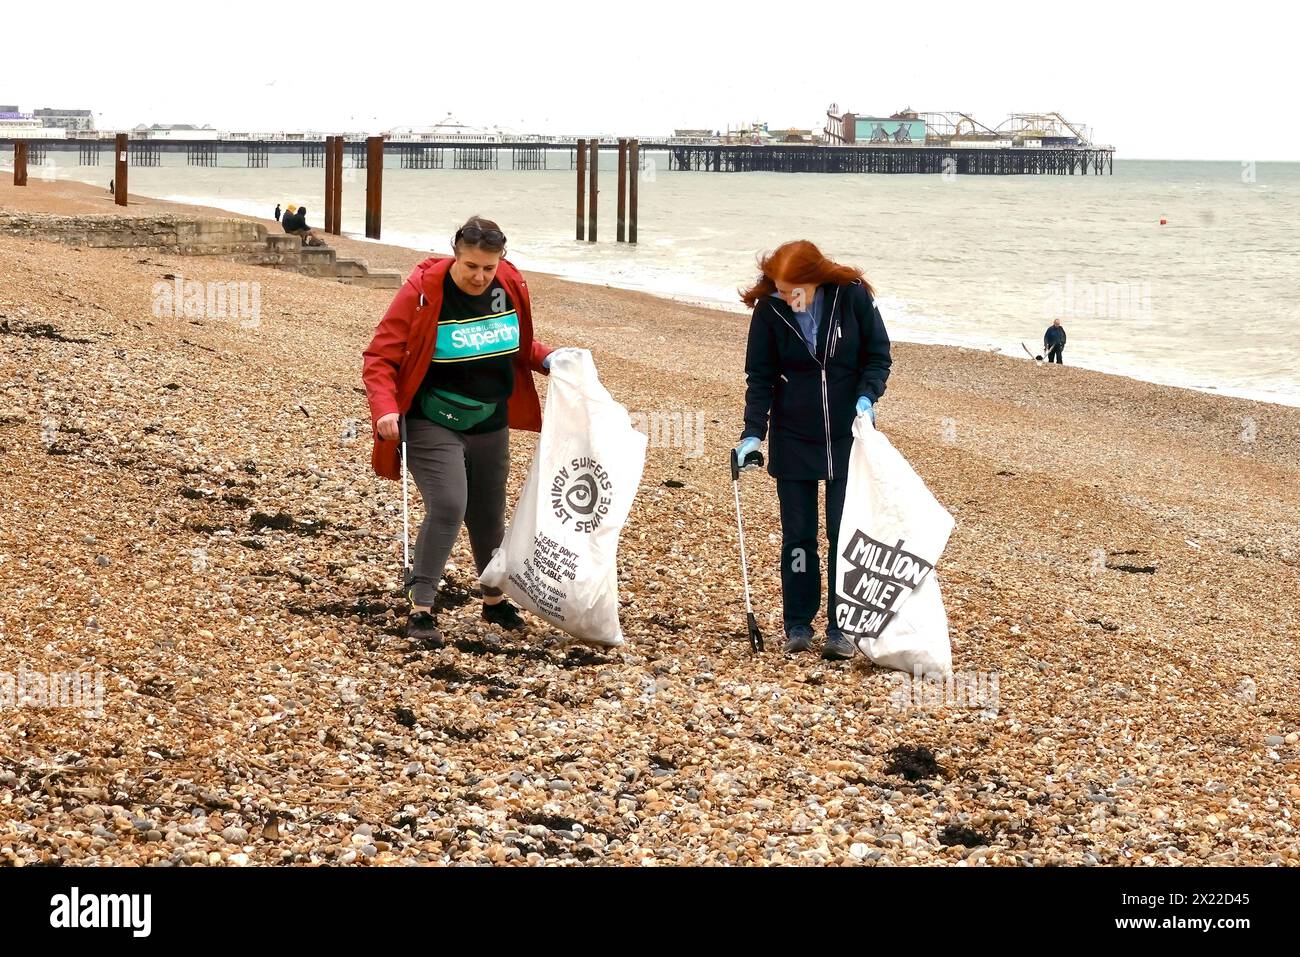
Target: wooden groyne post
(582,189)
(119,169)
(20,163)
(374,184)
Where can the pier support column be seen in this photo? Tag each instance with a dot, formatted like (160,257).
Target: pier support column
(374,184)
(338,185)
(20,163)
(334,185)
(621,223)
(119,170)
(329,184)
(634,162)
(593,189)
(582,188)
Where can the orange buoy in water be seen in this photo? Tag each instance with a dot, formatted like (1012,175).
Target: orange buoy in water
(1163,221)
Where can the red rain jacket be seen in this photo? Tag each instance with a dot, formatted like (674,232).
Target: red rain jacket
(400,352)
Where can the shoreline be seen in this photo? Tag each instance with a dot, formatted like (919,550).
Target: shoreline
(1265,396)
(191,513)
(954,341)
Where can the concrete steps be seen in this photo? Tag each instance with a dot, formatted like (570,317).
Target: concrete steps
(375,279)
(288,252)
(239,240)
(318,261)
(355,272)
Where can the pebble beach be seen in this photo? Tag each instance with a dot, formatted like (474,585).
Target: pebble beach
(188,515)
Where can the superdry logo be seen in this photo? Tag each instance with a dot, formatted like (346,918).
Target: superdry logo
(880,579)
(132,911)
(580,493)
(478,338)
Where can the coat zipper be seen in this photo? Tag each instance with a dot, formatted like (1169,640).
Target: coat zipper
(826,404)
(826,408)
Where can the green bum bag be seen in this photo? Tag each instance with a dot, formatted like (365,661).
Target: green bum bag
(455,412)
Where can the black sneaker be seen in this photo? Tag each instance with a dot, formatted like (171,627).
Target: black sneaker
(503,615)
(797,639)
(422,628)
(838,647)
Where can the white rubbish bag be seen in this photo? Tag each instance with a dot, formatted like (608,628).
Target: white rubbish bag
(559,556)
(891,536)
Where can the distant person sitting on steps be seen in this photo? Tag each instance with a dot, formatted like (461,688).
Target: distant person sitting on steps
(1054,342)
(294,222)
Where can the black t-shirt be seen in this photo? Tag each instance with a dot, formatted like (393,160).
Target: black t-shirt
(474,355)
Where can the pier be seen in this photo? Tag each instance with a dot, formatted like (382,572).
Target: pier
(530,155)
(951,160)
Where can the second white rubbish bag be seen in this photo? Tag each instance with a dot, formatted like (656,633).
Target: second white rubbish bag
(891,536)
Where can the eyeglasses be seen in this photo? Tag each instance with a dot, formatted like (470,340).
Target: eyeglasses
(476,235)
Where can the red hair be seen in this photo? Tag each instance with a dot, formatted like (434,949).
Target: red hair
(799,263)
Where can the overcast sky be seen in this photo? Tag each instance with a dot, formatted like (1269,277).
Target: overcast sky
(1157,80)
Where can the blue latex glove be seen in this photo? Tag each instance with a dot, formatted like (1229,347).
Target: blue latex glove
(866,405)
(745,447)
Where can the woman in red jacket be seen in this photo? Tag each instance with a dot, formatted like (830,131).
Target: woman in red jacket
(454,356)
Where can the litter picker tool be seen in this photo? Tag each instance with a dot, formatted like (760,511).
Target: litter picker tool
(752,460)
(406,522)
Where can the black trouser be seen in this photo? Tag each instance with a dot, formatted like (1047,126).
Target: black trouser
(801,573)
(1054,354)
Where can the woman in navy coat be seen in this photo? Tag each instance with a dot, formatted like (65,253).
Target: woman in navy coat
(817,357)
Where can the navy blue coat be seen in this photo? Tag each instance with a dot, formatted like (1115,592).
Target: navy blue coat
(808,400)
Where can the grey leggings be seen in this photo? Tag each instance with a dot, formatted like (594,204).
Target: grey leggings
(462,479)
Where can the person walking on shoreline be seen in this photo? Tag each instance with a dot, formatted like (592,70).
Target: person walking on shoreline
(454,356)
(277,212)
(1054,342)
(817,357)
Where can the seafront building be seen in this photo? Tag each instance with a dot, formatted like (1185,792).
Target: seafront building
(77,120)
(25,126)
